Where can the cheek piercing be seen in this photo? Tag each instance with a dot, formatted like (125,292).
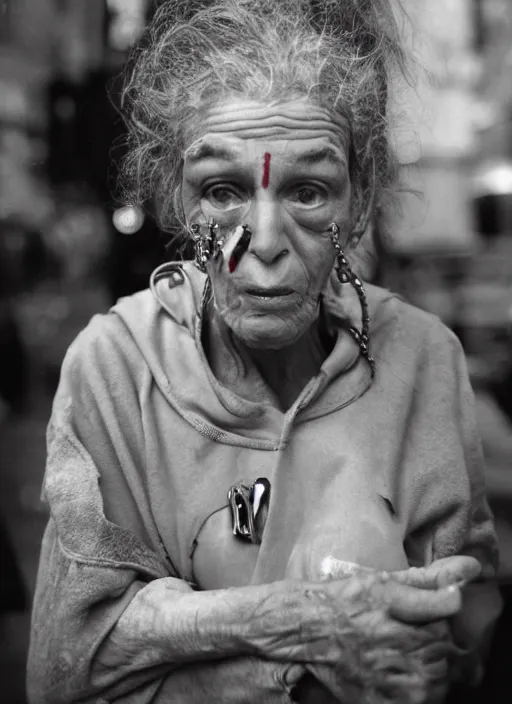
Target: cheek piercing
(206,243)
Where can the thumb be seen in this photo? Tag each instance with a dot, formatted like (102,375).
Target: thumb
(458,568)
(416,606)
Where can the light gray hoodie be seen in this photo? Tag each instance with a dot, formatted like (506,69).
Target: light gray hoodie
(144,443)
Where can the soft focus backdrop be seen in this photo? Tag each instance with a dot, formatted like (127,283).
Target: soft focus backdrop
(445,244)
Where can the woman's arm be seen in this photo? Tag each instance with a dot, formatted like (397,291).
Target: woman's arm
(101,631)
(93,568)
(73,659)
(451,514)
(243,680)
(112,616)
(105,627)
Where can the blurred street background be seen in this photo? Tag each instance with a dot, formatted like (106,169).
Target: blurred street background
(445,243)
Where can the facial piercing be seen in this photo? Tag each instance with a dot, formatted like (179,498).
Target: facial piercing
(205,243)
(346,275)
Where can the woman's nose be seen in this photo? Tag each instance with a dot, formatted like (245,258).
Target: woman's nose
(268,241)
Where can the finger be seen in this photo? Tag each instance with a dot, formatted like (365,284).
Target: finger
(458,568)
(441,573)
(389,660)
(409,689)
(413,605)
(436,671)
(435,652)
(425,641)
(415,577)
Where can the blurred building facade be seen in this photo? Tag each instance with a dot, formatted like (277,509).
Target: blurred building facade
(54,55)
(453,137)
(59,62)
(434,126)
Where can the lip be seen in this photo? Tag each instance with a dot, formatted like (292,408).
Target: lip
(271,292)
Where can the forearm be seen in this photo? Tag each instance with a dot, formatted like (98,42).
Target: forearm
(164,627)
(100,631)
(242,680)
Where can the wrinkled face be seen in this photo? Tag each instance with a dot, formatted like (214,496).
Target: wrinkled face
(282,170)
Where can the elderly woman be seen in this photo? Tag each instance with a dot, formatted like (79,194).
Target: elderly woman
(264,477)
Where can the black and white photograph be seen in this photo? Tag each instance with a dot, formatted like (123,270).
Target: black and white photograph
(255,351)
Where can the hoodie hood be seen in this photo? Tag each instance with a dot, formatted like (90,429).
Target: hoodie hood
(165,324)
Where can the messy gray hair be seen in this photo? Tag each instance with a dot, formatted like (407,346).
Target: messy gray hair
(337,53)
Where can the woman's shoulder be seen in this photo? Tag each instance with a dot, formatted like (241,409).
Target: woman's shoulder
(118,346)
(147,330)
(114,330)
(394,320)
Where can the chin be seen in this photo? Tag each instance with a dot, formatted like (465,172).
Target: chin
(268,332)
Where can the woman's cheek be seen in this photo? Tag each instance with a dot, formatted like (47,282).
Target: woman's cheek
(317,268)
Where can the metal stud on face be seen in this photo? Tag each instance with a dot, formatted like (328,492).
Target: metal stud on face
(205,243)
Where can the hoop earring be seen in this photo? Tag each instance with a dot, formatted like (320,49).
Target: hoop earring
(205,243)
(346,275)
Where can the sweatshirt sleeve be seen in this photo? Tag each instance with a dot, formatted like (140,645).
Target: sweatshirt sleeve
(90,567)
(450,513)
(102,557)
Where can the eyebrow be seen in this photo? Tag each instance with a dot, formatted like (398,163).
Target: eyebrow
(206,150)
(315,156)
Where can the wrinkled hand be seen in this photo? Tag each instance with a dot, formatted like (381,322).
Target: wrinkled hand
(428,673)
(430,682)
(371,638)
(472,627)
(391,667)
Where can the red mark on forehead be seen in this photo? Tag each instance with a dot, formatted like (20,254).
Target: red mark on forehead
(266,170)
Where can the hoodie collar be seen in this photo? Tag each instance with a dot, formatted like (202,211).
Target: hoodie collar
(343,377)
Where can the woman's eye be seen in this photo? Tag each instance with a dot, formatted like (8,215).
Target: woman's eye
(306,195)
(223,197)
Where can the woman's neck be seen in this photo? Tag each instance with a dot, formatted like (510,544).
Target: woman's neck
(274,376)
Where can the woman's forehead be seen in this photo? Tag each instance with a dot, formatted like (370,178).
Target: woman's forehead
(294,127)
(309,150)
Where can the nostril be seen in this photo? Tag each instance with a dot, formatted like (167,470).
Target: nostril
(268,257)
